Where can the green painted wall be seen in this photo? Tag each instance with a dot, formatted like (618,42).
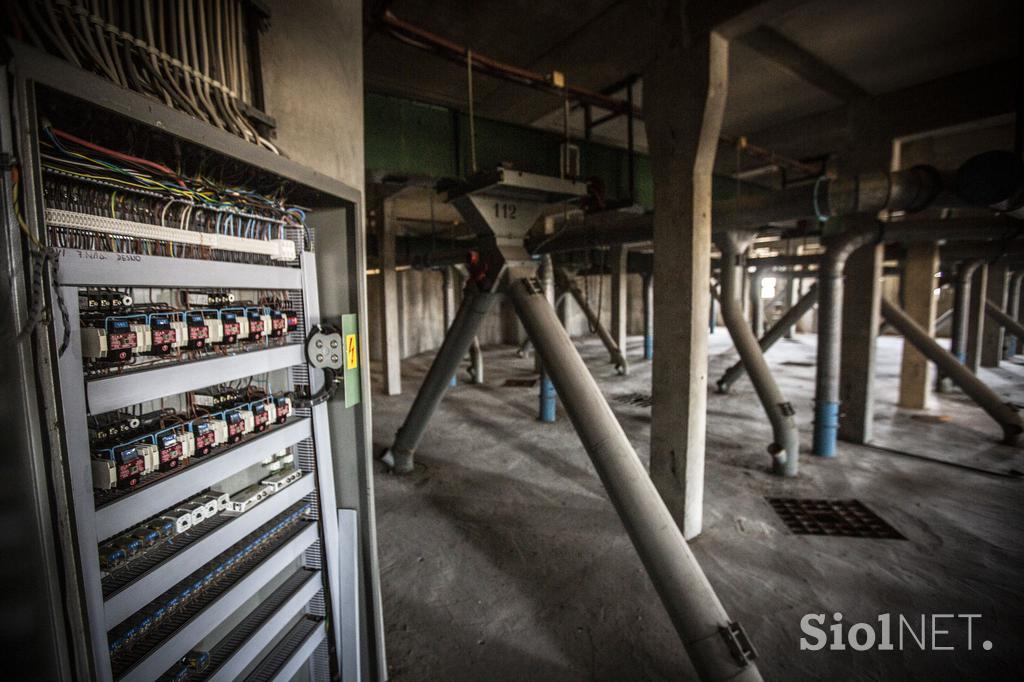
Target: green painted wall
(403,136)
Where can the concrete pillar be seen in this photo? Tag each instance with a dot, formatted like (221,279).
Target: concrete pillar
(620,297)
(390,332)
(684,103)
(648,296)
(976,318)
(450,303)
(919,304)
(861,303)
(992,336)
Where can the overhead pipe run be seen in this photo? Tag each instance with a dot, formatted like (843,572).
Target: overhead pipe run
(778,330)
(785,448)
(830,299)
(907,190)
(985,397)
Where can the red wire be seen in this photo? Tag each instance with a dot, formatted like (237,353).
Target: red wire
(117,155)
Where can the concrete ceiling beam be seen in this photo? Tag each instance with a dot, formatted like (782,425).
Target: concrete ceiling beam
(793,58)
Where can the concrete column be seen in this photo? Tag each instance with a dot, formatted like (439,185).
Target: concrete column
(648,296)
(390,332)
(620,297)
(919,304)
(992,336)
(861,302)
(976,318)
(684,103)
(450,304)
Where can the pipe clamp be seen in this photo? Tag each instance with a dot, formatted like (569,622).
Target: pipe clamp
(743,652)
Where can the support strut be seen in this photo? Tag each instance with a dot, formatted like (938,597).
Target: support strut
(457,341)
(697,614)
(614,352)
(1007,417)
(777,331)
(1011,325)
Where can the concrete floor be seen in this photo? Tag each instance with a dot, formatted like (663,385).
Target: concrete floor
(502,558)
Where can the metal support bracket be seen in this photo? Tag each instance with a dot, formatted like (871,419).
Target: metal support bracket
(743,652)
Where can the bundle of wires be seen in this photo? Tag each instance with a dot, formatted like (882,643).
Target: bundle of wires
(229,210)
(190,54)
(75,156)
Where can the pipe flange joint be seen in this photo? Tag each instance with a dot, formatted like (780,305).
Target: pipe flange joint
(930,186)
(787,409)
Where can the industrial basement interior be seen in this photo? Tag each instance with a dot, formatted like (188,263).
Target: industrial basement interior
(438,341)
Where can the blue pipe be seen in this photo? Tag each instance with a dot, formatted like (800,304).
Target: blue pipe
(648,346)
(826,428)
(547,399)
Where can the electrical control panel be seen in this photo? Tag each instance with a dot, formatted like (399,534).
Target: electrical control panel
(174,277)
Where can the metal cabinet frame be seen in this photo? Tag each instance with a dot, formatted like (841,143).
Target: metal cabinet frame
(334,273)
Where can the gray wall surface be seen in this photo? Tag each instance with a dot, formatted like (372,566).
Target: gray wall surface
(313,84)
(421,320)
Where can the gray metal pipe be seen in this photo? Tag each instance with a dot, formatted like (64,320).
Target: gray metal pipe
(906,190)
(476,365)
(962,308)
(1014,343)
(777,331)
(756,302)
(830,300)
(695,611)
(648,294)
(615,354)
(472,310)
(546,411)
(986,398)
(1005,321)
(785,449)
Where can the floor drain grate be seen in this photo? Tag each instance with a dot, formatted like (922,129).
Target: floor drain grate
(635,399)
(521,383)
(838,518)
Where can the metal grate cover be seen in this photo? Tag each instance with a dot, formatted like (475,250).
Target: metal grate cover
(838,518)
(635,399)
(521,383)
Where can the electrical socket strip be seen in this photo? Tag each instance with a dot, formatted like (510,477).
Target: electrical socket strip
(276,249)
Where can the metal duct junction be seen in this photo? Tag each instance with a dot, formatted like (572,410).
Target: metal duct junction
(830,298)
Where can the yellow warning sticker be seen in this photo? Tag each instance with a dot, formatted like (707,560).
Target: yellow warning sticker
(351,352)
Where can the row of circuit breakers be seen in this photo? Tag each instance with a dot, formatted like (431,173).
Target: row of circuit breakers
(127,448)
(279,472)
(115,329)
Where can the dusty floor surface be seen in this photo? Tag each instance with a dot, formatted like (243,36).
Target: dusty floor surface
(502,559)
